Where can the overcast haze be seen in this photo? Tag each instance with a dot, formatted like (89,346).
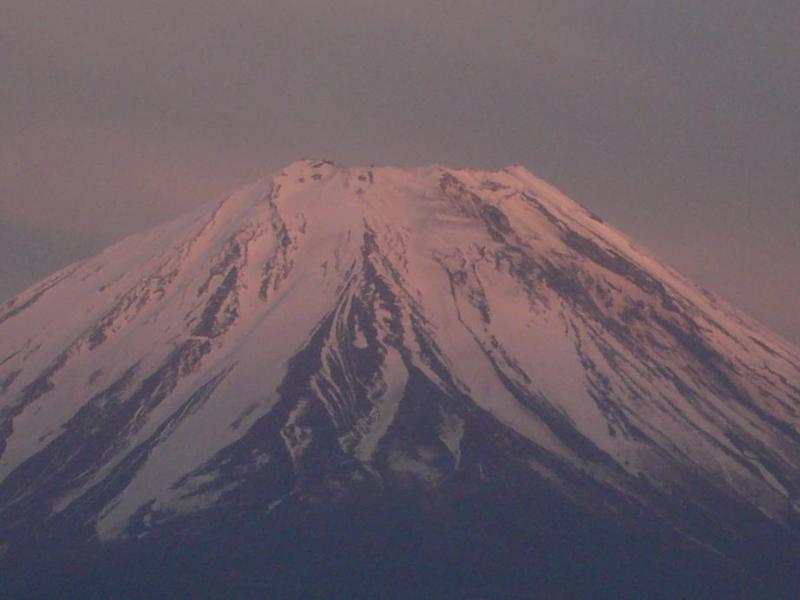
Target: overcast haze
(678,122)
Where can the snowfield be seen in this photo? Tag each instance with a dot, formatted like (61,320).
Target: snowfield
(328,328)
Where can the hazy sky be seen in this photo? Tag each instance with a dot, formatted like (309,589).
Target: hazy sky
(678,121)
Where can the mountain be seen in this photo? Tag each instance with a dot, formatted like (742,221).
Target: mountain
(383,382)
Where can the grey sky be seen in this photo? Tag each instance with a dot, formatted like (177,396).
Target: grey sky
(677,121)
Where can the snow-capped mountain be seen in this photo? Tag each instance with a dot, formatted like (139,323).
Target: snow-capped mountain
(330,338)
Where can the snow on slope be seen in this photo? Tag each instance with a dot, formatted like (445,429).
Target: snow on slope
(323,309)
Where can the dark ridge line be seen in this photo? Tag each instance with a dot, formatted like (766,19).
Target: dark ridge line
(6,382)
(114,484)
(53,456)
(554,421)
(121,418)
(9,357)
(281,257)
(210,324)
(266,429)
(37,388)
(709,360)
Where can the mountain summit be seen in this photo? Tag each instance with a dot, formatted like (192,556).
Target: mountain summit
(413,382)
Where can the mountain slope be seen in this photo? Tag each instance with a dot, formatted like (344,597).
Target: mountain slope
(331,336)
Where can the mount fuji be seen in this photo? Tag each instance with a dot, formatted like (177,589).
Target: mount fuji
(384,382)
